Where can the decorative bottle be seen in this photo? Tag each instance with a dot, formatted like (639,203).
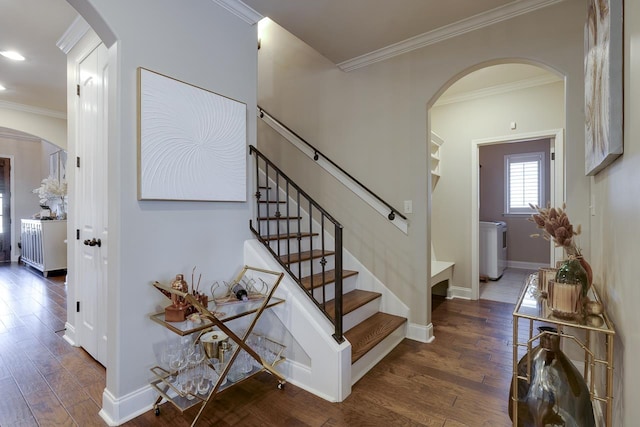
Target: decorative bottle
(240,292)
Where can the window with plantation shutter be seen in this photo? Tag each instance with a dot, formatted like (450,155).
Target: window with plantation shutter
(524,182)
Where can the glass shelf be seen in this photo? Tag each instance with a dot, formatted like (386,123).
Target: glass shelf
(533,305)
(223,312)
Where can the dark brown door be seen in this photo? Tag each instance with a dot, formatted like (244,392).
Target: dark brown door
(5,210)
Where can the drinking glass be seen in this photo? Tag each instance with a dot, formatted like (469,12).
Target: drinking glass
(175,359)
(202,378)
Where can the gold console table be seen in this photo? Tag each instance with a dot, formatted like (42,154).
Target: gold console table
(532,307)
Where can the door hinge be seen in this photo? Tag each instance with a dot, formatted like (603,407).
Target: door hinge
(77,234)
(77,306)
(77,162)
(553,156)
(78,90)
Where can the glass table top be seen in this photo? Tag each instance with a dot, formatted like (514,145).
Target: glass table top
(532,304)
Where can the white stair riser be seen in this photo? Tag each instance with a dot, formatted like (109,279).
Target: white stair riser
(360,314)
(291,246)
(305,266)
(348,285)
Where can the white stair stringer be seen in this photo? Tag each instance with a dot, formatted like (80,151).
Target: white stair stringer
(325,368)
(329,374)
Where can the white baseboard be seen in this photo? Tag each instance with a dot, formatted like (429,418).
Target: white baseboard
(70,334)
(523,265)
(116,412)
(459,292)
(420,333)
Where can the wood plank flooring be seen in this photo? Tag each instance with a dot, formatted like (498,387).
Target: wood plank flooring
(461,379)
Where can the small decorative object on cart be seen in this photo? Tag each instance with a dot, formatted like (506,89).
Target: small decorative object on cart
(181,309)
(177,311)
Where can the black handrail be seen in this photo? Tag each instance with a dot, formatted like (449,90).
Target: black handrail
(272,174)
(318,153)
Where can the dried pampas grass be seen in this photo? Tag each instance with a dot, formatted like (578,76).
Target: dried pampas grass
(556,227)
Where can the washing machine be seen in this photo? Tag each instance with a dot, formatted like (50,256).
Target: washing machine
(493,249)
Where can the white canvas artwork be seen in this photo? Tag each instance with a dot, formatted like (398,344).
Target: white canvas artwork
(191,142)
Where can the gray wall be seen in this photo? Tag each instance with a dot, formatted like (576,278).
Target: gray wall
(520,246)
(615,226)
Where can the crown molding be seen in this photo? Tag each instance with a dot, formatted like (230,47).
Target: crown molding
(33,110)
(497,90)
(467,25)
(17,135)
(73,35)
(241,10)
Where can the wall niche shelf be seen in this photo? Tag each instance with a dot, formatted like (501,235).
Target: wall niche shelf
(435,145)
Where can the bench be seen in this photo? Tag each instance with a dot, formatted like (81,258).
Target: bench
(441,270)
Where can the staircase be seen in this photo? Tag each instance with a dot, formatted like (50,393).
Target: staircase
(307,242)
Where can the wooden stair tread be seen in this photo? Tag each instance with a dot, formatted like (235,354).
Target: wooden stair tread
(304,256)
(366,335)
(351,301)
(272,201)
(288,236)
(329,277)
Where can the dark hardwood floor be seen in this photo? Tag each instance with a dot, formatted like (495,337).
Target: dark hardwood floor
(461,379)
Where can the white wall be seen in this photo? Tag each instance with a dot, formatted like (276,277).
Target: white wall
(615,227)
(206,46)
(373,122)
(533,109)
(28,171)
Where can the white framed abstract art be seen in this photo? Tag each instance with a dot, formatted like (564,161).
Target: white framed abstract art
(191,142)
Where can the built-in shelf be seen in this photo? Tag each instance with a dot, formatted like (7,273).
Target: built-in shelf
(436,144)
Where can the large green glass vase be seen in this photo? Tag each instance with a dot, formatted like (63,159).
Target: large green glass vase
(572,271)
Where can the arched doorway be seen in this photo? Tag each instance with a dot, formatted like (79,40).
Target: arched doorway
(487,104)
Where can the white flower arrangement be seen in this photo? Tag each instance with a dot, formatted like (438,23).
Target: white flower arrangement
(51,189)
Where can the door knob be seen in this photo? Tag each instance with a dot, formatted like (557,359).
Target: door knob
(93,242)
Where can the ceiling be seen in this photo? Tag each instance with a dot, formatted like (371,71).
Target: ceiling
(340,30)
(32,27)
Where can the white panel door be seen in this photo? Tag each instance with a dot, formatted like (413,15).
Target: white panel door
(91,197)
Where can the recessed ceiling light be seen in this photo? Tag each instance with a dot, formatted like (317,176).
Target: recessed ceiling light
(2,87)
(12,55)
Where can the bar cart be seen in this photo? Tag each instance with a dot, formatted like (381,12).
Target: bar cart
(532,306)
(252,309)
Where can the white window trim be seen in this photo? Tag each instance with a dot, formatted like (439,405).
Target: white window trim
(517,158)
